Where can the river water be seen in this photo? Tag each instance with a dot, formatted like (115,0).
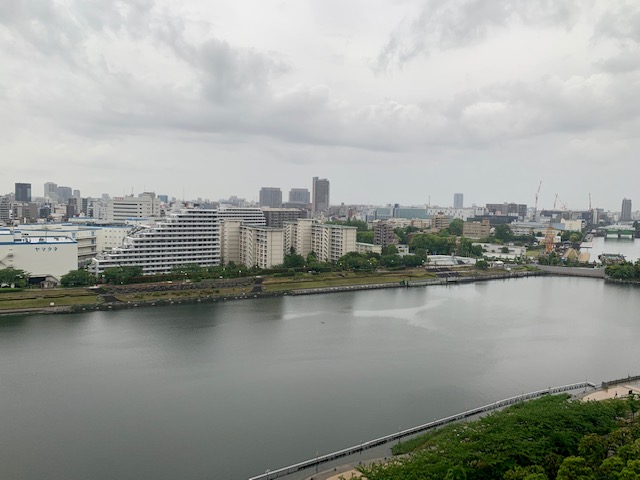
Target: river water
(229,390)
(629,247)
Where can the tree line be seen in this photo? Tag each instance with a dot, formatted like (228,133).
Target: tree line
(550,438)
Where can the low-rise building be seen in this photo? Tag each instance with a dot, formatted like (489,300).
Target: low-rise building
(383,233)
(439,222)
(41,257)
(480,229)
(368,248)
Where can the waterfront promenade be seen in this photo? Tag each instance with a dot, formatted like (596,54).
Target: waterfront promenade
(346,453)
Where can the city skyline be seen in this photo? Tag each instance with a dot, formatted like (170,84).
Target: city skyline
(395,102)
(135,193)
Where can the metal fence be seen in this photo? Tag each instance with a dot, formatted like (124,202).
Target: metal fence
(270,475)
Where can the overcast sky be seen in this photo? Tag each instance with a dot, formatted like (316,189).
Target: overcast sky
(395,101)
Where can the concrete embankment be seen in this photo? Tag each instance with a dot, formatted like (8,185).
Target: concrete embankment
(573,271)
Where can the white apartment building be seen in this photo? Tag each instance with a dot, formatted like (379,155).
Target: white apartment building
(111,236)
(53,255)
(248,215)
(185,236)
(262,247)
(298,235)
(119,209)
(230,242)
(330,242)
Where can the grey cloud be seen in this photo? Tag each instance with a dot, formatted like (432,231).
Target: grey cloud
(232,91)
(621,21)
(459,23)
(626,61)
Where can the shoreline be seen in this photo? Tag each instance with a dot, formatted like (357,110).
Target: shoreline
(122,305)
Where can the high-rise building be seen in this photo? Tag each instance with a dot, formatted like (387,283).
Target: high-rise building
(270,197)
(23,192)
(5,210)
(51,191)
(625,214)
(320,195)
(64,194)
(299,195)
(458,200)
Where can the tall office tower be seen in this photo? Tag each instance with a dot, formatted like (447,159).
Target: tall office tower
(458,200)
(320,195)
(299,195)
(5,210)
(76,194)
(270,197)
(625,215)
(51,191)
(23,192)
(64,194)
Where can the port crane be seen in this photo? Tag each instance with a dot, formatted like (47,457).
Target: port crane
(535,208)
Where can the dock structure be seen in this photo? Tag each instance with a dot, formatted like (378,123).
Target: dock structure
(318,460)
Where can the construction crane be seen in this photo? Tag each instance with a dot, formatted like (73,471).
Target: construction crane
(535,208)
(550,235)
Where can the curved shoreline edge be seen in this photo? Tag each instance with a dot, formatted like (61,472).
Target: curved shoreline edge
(120,305)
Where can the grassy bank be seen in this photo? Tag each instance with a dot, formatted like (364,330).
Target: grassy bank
(166,292)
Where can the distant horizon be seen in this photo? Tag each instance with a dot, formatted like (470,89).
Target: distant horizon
(285,192)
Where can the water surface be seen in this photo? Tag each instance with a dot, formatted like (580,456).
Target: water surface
(226,391)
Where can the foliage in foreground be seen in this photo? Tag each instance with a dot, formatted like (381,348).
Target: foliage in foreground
(552,437)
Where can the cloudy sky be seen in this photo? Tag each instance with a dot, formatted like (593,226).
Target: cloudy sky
(395,101)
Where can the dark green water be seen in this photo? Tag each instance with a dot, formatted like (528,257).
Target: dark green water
(226,391)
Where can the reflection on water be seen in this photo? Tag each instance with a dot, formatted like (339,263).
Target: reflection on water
(228,390)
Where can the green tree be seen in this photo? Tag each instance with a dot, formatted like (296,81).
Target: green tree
(293,260)
(593,448)
(13,276)
(455,227)
(121,275)
(192,271)
(365,237)
(632,403)
(456,473)
(610,468)
(531,472)
(389,250)
(482,265)
(77,278)
(575,468)
(503,232)
(312,257)
(411,261)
